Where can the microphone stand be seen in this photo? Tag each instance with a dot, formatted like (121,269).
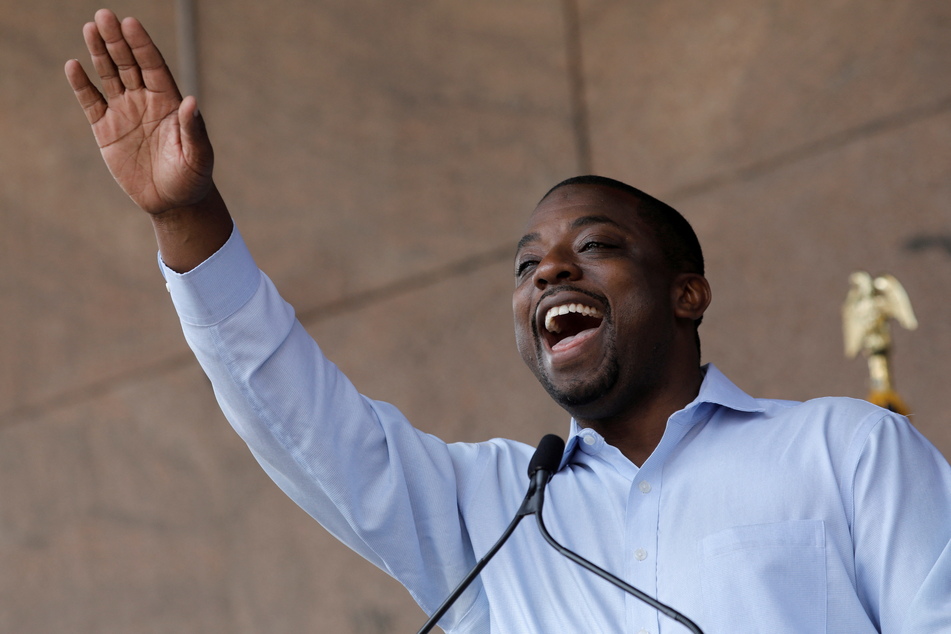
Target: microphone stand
(542,466)
(607,576)
(529,506)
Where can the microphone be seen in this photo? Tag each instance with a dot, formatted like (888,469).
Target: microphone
(547,457)
(541,467)
(543,464)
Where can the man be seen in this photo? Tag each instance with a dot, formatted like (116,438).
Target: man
(748,515)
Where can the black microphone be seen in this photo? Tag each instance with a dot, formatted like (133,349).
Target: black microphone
(547,457)
(543,464)
(541,468)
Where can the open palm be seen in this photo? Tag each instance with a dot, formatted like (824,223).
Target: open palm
(152,141)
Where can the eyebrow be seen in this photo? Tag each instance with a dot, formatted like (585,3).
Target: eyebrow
(528,238)
(577,223)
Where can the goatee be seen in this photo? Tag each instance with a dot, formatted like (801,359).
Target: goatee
(586,389)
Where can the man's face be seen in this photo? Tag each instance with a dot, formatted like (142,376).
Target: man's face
(593,300)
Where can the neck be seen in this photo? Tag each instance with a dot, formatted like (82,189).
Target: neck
(638,428)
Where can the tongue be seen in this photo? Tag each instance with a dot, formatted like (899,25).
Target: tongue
(573,340)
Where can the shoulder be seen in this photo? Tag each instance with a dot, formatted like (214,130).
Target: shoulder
(840,407)
(852,429)
(719,389)
(817,415)
(837,428)
(833,425)
(503,453)
(829,412)
(738,407)
(505,459)
(494,471)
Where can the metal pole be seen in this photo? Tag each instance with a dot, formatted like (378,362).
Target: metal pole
(187,32)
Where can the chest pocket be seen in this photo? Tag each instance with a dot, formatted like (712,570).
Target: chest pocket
(765,578)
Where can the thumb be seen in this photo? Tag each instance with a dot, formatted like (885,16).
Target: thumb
(196,147)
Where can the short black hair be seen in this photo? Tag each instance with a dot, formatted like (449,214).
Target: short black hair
(676,237)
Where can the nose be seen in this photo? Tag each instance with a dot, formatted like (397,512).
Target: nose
(558,266)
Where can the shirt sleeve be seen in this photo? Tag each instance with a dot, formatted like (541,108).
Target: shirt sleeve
(356,465)
(901,501)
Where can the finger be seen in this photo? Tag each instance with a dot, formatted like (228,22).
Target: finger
(155,73)
(195,144)
(89,98)
(119,49)
(102,62)
(188,111)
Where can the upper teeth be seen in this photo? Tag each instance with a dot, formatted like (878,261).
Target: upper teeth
(564,309)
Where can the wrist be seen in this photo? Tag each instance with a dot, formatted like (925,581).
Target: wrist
(189,235)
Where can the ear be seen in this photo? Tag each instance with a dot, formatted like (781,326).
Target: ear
(691,295)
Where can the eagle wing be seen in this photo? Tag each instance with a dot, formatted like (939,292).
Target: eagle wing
(895,302)
(857,312)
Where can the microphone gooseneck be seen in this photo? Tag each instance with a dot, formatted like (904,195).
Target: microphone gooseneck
(543,464)
(607,576)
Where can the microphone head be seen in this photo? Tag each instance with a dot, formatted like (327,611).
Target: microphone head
(547,456)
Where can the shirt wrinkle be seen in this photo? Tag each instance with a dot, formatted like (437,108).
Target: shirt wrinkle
(720,522)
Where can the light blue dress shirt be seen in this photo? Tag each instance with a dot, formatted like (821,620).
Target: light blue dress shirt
(751,515)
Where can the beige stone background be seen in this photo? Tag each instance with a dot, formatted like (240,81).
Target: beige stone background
(380,159)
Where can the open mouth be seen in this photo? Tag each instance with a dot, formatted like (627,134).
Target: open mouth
(565,322)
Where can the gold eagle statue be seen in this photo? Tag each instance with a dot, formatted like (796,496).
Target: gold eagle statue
(870,305)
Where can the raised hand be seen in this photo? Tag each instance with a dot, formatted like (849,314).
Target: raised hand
(153,142)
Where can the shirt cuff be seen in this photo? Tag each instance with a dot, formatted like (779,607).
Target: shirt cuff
(216,288)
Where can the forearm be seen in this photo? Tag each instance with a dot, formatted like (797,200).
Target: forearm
(355,465)
(187,236)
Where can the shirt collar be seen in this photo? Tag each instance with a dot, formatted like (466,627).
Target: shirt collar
(715,389)
(719,390)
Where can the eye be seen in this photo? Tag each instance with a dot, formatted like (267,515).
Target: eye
(523,267)
(593,245)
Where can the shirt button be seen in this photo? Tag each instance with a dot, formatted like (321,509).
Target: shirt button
(640,554)
(644,486)
(168,288)
(644,632)
(589,440)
